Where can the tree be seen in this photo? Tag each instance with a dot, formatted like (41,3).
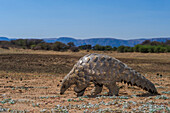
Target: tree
(84,47)
(155,43)
(36,47)
(26,43)
(74,49)
(151,49)
(126,49)
(46,46)
(131,49)
(31,42)
(146,42)
(59,46)
(114,48)
(121,49)
(108,48)
(70,44)
(163,50)
(168,48)
(99,47)
(167,42)
(136,48)
(157,49)
(5,44)
(144,49)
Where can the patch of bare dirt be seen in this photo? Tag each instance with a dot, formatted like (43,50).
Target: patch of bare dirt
(28,93)
(36,63)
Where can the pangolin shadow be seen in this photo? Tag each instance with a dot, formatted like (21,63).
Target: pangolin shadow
(146,95)
(94,96)
(139,95)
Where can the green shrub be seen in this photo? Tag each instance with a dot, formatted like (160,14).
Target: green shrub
(121,49)
(26,43)
(146,42)
(4,47)
(70,44)
(84,47)
(99,47)
(59,46)
(126,49)
(24,47)
(163,50)
(74,49)
(151,49)
(33,46)
(157,49)
(168,48)
(143,49)
(155,43)
(114,48)
(108,48)
(136,48)
(37,47)
(131,49)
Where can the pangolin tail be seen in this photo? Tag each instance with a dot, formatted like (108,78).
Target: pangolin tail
(134,78)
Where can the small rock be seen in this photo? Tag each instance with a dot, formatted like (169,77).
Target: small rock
(20,91)
(121,86)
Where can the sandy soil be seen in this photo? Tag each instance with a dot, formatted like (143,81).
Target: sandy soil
(30,82)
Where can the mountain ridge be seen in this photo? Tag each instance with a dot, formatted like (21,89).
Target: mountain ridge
(105,41)
(93,41)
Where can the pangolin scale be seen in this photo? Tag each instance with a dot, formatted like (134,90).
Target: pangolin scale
(103,70)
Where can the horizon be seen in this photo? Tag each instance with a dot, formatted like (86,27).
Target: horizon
(87,38)
(123,19)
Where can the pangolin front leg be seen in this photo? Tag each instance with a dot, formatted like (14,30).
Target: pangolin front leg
(81,93)
(80,89)
(97,89)
(113,89)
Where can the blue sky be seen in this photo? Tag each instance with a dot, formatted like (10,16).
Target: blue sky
(124,19)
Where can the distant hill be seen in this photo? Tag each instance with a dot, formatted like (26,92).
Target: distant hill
(101,41)
(4,39)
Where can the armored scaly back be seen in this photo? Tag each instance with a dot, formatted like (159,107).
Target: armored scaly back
(104,70)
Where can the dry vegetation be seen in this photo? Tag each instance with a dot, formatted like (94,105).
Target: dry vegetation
(30,82)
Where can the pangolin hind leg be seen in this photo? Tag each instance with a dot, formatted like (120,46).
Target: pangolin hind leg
(113,89)
(97,89)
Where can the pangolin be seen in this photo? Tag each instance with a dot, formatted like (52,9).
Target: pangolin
(103,70)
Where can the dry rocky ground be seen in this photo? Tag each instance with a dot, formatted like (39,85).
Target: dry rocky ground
(30,82)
